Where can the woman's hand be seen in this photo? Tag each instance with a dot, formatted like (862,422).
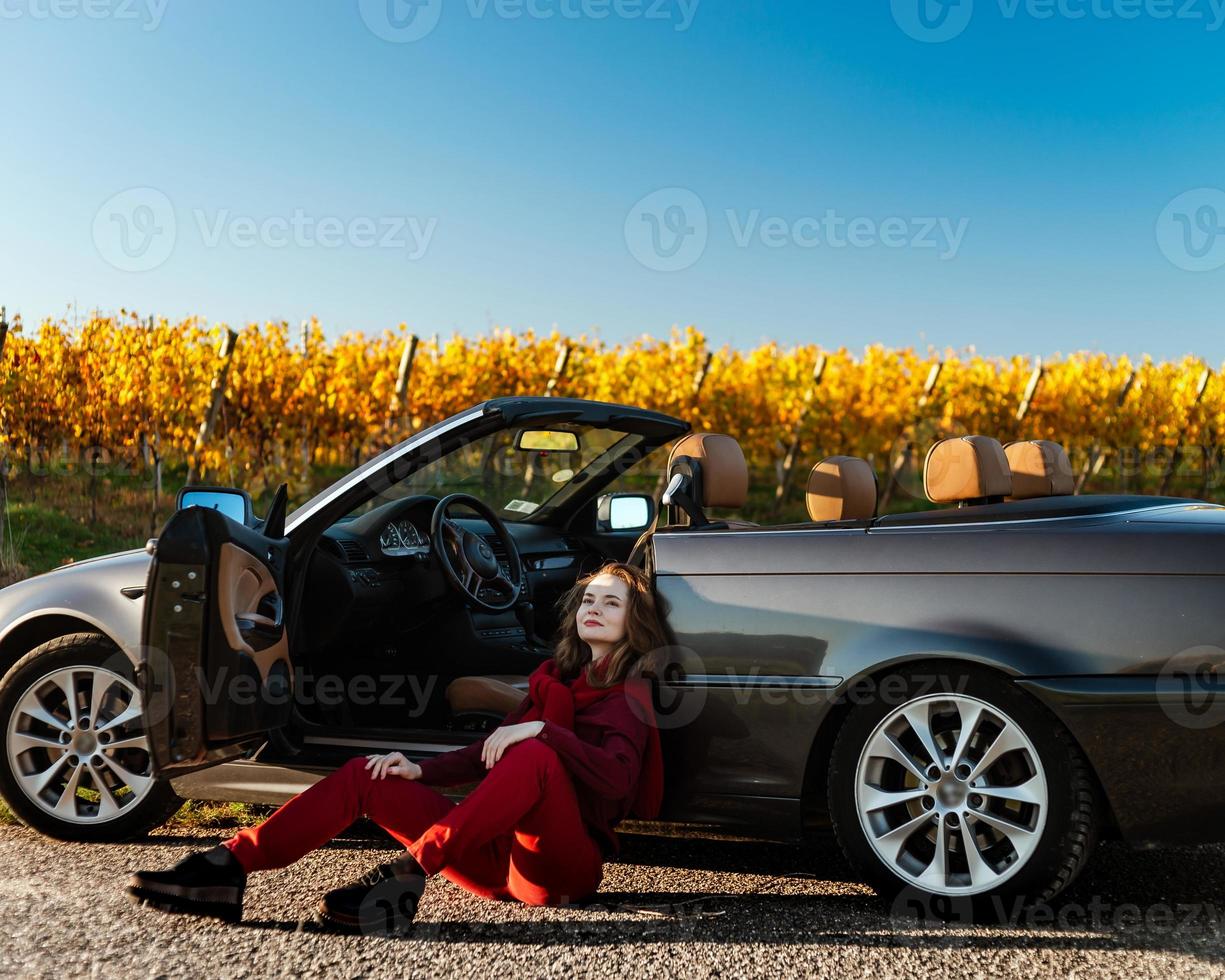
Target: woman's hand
(501,739)
(392,764)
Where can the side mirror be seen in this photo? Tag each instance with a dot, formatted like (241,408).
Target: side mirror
(625,511)
(235,504)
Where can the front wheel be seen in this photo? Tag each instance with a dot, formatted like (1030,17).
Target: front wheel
(75,763)
(958,797)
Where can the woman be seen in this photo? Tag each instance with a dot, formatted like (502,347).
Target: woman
(578,754)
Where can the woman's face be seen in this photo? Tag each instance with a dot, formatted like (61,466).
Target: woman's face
(602,611)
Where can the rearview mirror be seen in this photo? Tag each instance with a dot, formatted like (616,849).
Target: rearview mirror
(235,504)
(547,441)
(625,511)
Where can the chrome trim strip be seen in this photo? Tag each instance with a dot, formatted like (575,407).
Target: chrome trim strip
(400,746)
(1035,520)
(315,504)
(809,681)
(1009,521)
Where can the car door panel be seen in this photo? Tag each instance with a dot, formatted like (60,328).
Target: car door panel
(215,670)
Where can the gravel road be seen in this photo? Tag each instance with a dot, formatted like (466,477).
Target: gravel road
(666,908)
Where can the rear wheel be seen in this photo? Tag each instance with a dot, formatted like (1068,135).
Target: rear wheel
(960,797)
(76,761)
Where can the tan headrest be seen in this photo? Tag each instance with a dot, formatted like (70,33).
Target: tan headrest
(725,475)
(1039,469)
(842,488)
(966,468)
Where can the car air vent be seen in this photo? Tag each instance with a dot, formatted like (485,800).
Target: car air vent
(495,543)
(353,550)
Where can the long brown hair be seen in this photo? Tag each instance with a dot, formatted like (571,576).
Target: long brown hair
(644,629)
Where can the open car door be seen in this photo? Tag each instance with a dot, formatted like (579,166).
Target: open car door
(214,670)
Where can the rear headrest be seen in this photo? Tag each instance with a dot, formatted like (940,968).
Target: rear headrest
(842,488)
(1039,469)
(966,468)
(725,475)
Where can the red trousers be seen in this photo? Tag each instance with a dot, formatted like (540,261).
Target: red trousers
(518,834)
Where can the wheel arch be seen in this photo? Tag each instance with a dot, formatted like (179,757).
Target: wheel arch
(38,628)
(814,811)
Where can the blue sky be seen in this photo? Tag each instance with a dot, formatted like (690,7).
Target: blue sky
(1045,179)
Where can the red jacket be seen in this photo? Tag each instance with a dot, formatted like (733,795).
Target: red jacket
(603,756)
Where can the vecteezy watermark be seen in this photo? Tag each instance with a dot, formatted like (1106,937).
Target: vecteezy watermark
(1191,229)
(1191,687)
(932,21)
(935,21)
(403,21)
(913,906)
(669,229)
(302,230)
(137,229)
(148,13)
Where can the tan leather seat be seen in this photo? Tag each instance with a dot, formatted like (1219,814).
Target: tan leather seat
(497,694)
(967,470)
(1040,468)
(723,474)
(841,488)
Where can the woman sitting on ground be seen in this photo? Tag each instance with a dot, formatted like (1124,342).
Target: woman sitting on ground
(578,754)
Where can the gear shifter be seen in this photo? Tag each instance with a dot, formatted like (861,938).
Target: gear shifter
(526,614)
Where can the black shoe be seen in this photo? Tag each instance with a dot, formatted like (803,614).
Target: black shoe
(204,883)
(382,901)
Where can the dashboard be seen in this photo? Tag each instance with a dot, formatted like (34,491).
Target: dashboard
(402,539)
(377,573)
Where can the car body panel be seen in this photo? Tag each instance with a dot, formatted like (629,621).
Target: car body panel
(764,615)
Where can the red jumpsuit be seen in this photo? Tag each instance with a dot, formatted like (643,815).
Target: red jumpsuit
(536,828)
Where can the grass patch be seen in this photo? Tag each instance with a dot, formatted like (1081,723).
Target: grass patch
(45,537)
(193,815)
(204,815)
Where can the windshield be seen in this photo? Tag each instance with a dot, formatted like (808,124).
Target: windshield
(514,482)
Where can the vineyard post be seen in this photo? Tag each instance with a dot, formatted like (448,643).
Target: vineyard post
(786,466)
(559,368)
(1097,457)
(150,446)
(1031,389)
(699,382)
(1176,457)
(903,458)
(304,446)
(700,379)
(399,398)
(228,343)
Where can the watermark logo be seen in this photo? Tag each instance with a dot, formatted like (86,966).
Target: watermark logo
(933,21)
(400,21)
(148,13)
(1191,688)
(135,231)
(667,231)
(1191,230)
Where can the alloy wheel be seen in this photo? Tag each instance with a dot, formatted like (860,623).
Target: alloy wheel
(951,794)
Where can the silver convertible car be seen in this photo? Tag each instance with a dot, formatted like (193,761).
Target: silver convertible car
(969,696)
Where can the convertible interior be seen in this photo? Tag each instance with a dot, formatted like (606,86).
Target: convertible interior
(426,609)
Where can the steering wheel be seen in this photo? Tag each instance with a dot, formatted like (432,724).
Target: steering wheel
(466,558)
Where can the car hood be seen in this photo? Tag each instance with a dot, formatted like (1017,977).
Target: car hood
(132,564)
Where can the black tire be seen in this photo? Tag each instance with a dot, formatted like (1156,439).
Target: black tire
(158,803)
(1070,830)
